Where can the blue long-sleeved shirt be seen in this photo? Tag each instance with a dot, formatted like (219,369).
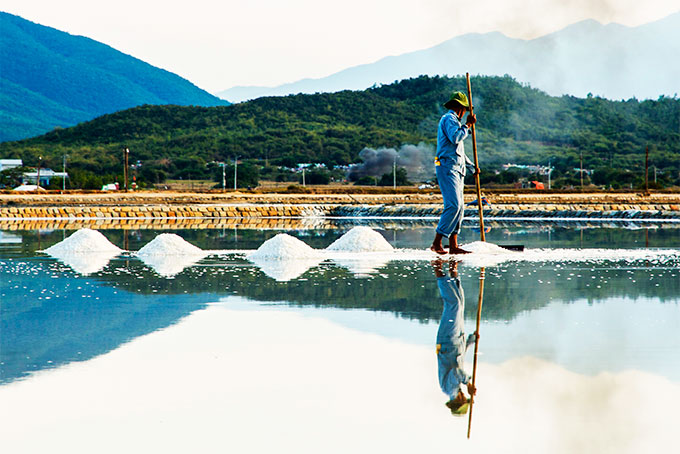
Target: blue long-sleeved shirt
(450,136)
(451,344)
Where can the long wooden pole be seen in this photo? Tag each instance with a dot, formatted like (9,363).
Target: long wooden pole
(482,272)
(474,152)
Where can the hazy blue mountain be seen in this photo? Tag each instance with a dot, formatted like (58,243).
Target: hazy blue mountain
(612,61)
(49,78)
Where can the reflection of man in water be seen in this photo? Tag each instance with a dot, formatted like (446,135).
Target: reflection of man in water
(451,344)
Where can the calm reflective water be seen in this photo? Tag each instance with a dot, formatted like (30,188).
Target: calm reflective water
(576,355)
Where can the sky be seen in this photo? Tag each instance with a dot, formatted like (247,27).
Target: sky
(218,45)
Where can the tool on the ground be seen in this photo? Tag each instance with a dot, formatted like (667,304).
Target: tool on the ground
(515,247)
(482,272)
(512,247)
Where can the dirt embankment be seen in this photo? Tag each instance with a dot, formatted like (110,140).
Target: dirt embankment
(142,198)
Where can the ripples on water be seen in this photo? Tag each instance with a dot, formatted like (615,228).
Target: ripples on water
(582,329)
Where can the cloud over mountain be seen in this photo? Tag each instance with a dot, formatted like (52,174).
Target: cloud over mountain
(612,61)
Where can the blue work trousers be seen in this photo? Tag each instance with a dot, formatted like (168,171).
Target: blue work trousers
(451,186)
(451,345)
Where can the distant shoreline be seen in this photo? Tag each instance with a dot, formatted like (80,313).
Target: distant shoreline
(324,196)
(207,210)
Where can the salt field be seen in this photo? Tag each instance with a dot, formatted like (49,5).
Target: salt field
(190,340)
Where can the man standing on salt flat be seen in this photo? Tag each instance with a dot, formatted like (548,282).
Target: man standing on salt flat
(450,164)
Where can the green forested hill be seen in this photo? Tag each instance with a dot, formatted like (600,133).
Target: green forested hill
(516,124)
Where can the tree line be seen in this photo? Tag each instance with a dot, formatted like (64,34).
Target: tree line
(517,124)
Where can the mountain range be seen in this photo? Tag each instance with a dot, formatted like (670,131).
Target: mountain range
(612,61)
(49,78)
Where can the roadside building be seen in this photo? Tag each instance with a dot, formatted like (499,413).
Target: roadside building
(6,164)
(46,176)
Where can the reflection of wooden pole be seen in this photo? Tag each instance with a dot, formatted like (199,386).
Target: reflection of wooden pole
(474,363)
(647,237)
(474,152)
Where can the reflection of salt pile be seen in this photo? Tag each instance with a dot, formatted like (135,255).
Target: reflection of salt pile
(284,257)
(362,266)
(368,242)
(361,239)
(169,254)
(86,251)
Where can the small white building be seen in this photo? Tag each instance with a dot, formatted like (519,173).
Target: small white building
(45,176)
(6,164)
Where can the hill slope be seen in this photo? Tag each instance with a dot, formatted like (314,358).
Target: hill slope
(516,124)
(612,61)
(50,78)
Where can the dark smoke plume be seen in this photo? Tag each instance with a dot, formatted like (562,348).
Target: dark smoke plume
(418,160)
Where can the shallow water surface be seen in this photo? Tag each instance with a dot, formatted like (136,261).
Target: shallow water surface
(578,349)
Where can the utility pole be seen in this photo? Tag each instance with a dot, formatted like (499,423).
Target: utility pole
(394,173)
(37,180)
(303,178)
(549,172)
(224,178)
(647,170)
(125,170)
(581,167)
(63,178)
(235,172)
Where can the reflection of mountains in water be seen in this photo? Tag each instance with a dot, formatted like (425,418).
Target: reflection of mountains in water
(91,316)
(408,288)
(82,320)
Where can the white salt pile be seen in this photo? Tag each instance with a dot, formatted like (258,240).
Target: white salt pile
(83,241)
(361,239)
(284,246)
(482,247)
(284,257)
(86,251)
(169,254)
(169,244)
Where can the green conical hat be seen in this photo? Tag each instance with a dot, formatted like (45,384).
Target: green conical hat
(457,97)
